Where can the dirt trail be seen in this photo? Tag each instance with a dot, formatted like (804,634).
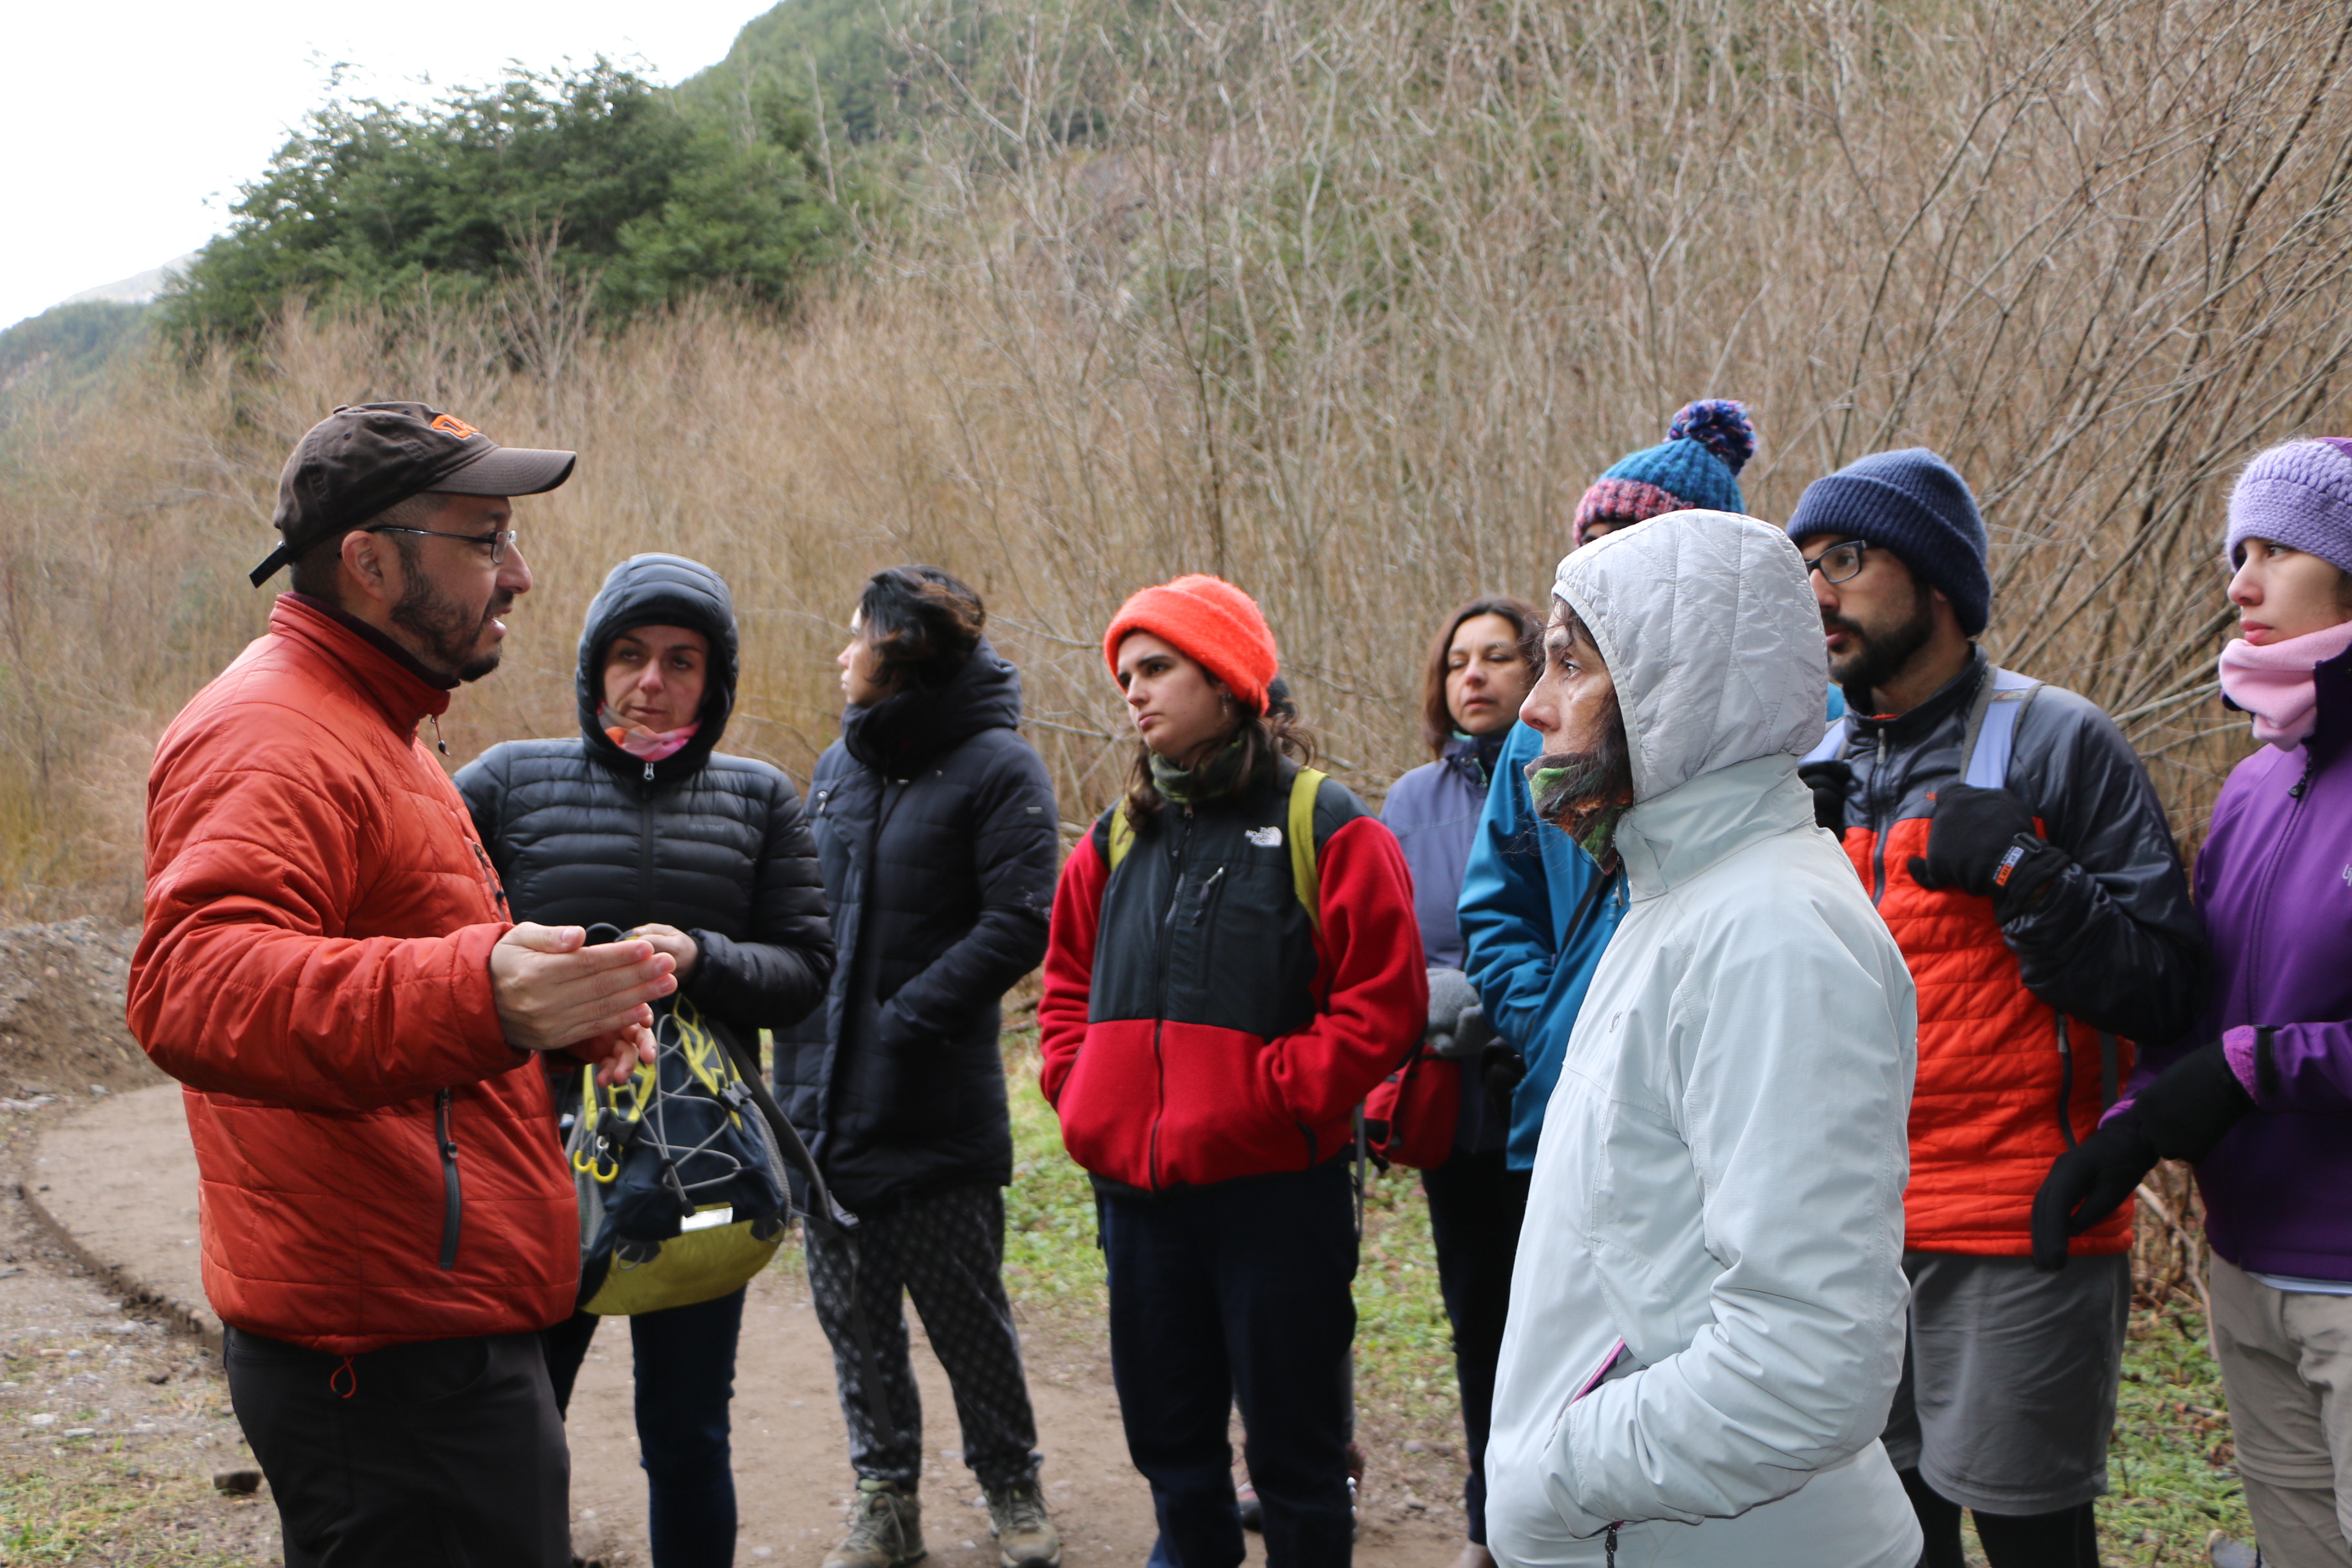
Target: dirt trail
(117,1176)
(112,1423)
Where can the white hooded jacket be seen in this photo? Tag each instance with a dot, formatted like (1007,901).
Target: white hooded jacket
(1706,1313)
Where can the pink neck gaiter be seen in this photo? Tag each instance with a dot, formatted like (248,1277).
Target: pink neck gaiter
(2274,684)
(645,746)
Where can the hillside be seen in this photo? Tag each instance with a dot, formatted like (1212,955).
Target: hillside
(832,51)
(1348,305)
(65,352)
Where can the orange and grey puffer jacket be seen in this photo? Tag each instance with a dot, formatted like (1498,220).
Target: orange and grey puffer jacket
(2026,1026)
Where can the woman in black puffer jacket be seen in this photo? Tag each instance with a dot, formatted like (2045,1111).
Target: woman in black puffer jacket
(936,825)
(638,821)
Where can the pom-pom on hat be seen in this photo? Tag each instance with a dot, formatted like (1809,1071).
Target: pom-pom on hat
(1696,468)
(1210,622)
(1916,505)
(2299,495)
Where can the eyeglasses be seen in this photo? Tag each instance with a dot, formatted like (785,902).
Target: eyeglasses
(1839,562)
(498,542)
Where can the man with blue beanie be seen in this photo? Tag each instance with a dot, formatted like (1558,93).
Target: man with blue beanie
(2013,845)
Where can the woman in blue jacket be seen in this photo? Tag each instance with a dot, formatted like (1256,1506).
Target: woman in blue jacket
(1480,667)
(1535,910)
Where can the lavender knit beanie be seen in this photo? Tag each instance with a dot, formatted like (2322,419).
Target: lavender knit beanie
(2299,494)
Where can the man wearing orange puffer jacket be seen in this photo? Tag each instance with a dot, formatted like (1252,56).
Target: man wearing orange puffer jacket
(2012,843)
(328,966)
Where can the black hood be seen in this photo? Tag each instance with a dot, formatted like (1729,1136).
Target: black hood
(665,590)
(901,732)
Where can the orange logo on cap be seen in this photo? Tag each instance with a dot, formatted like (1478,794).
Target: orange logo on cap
(451,424)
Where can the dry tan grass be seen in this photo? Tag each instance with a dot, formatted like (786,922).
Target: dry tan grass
(1349,300)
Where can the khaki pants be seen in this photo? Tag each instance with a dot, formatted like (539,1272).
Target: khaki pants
(2286,1363)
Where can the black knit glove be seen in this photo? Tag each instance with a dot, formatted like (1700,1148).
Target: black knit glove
(1501,1068)
(2180,1116)
(1831,781)
(1982,841)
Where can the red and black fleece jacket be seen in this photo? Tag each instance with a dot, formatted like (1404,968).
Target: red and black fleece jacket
(1199,1024)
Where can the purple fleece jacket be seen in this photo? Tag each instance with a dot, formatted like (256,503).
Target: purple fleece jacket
(2274,886)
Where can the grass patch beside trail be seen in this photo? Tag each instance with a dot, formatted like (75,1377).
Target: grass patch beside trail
(105,1508)
(2172,1465)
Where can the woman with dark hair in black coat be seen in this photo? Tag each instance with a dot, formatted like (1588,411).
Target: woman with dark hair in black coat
(639,822)
(936,826)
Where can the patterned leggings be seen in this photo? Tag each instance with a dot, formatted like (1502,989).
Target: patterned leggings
(946,1250)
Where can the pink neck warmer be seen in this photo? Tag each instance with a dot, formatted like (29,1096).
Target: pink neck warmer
(644,745)
(2274,684)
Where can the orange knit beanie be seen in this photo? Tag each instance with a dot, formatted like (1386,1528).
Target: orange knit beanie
(1210,622)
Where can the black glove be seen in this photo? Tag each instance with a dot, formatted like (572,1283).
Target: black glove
(2180,1116)
(1831,781)
(1982,841)
(1501,1068)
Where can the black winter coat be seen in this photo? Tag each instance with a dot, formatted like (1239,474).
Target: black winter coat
(936,825)
(580,831)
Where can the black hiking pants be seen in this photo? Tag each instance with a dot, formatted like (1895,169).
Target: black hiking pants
(1232,1295)
(444,1454)
(1475,1207)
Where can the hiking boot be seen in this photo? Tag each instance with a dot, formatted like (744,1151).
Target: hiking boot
(1026,1536)
(2225,1552)
(887,1531)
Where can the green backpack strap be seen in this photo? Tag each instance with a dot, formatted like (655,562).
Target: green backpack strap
(1300,830)
(1122,834)
(1304,879)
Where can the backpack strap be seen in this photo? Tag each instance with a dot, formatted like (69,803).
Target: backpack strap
(1298,828)
(1305,877)
(1122,834)
(1992,735)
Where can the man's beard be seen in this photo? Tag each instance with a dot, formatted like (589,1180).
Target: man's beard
(1882,653)
(1583,793)
(451,637)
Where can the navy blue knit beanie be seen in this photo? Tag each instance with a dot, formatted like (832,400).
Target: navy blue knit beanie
(1914,504)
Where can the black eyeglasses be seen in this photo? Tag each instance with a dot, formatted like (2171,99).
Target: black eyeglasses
(1839,562)
(497,541)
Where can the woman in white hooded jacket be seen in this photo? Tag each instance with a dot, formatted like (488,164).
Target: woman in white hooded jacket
(1706,1323)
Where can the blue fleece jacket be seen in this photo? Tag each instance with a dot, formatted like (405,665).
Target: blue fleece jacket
(1534,922)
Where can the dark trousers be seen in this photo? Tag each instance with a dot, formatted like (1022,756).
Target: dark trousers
(1237,1294)
(1475,1206)
(685,1370)
(446,1453)
(946,1250)
(2068,1538)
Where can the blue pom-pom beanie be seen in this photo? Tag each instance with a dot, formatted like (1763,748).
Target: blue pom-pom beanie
(1916,505)
(1696,468)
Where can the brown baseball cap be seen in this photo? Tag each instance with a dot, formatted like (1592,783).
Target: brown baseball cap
(366,457)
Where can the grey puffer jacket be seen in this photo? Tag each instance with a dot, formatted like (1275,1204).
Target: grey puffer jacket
(582,832)
(936,825)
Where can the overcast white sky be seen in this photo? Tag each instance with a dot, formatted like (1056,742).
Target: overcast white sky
(132,124)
